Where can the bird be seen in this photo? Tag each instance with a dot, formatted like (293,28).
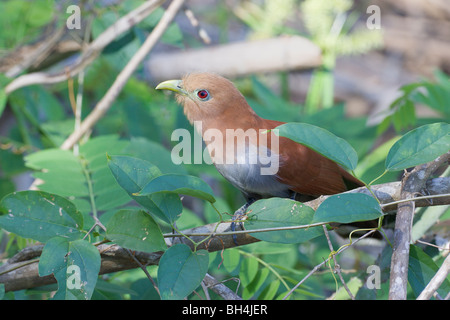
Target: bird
(213,103)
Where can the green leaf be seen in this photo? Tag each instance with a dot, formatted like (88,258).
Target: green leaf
(349,207)
(278,212)
(40,216)
(248,270)
(419,146)
(422,269)
(132,174)
(179,184)
(135,230)
(180,271)
(322,141)
(75,265)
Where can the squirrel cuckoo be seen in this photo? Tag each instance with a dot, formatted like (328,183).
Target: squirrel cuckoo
(213,102)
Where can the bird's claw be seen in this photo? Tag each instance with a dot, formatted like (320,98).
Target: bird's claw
(239,216)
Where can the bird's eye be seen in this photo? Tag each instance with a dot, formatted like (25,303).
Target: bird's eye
(203,94)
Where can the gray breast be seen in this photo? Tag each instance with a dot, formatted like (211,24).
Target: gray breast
(255,174)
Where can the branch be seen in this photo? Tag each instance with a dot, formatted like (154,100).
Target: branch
(31,55)
(92,51)
(219,288)
(18,274)
(412,183)
(337,267)
(105,103)
(21,271)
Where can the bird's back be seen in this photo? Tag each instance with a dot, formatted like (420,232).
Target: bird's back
(308,172)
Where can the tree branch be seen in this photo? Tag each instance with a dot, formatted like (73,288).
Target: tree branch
(320,265)
(105,103)
(91,52)
(268,55)
(337,267)
(412,183)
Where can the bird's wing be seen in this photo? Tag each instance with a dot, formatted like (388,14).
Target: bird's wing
(307,172)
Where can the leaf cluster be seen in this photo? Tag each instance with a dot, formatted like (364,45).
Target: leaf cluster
(60,223)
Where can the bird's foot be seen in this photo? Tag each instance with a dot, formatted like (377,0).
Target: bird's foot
(425,192)
(238,217)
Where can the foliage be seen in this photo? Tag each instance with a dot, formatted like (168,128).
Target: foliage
(123,176)
(330,24)
(432,94)
(28,15)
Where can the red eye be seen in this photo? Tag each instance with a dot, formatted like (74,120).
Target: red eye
(203,94)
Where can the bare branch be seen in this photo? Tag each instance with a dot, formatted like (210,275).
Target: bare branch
(390,192)
(320,265)
(337,267)
(34,56)
(436,281)
(267,55)
(413,182)
(21,271)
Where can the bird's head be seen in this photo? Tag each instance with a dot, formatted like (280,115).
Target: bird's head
(207,96)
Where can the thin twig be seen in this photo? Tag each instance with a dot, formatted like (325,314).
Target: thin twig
(38,55)
(194,22)
(79,99)
(432,245)
(337,267)
(205,290)
(317,267)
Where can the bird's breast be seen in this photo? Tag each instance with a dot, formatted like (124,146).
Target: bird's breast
(251,167)
(248,179)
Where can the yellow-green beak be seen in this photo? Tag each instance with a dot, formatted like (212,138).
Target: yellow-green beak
(172,85)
